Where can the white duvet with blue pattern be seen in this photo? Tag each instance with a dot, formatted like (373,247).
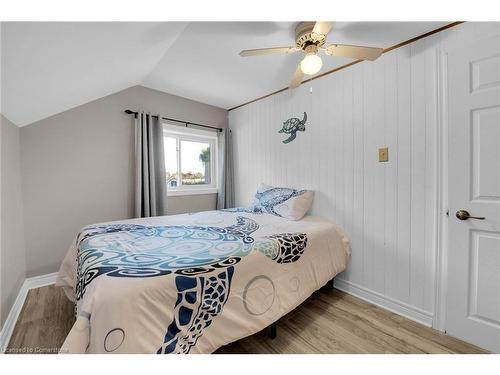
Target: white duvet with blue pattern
(189,265)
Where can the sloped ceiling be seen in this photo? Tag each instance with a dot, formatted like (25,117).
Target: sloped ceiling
(48,68)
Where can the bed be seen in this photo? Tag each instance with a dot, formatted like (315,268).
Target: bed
(192,283)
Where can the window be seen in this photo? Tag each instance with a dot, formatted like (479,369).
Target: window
(190,161)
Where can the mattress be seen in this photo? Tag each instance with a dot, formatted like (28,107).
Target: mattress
(192,283)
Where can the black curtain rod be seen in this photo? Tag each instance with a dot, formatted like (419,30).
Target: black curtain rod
(186,123)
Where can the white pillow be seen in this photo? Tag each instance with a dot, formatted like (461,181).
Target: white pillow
(289,203)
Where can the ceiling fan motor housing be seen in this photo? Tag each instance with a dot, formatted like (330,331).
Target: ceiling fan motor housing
(304,36)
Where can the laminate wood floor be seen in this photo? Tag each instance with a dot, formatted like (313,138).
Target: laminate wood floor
(330,321)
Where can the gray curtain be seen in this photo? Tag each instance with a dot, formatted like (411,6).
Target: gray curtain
(225,198)
(150,180)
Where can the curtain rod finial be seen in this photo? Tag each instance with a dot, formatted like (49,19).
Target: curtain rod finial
(130,112)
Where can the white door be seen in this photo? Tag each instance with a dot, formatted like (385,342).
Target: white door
(473,297)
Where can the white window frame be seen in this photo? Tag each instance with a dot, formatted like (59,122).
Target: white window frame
(190,134)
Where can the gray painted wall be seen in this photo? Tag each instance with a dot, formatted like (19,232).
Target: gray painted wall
(13,258)
(191,203)
(77,169)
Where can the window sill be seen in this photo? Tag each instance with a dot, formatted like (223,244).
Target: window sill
(177,193)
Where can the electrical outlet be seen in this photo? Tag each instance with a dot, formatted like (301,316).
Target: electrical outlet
(383,154)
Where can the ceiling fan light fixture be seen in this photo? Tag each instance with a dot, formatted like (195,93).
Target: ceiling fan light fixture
(310,38)
(311,64)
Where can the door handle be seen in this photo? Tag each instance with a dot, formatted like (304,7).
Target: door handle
(464,215)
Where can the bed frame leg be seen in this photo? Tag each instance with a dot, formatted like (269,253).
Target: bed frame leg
(272,331)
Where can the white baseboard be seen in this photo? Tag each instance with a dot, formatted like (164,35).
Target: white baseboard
(10,322)
(39,281)
(397,307)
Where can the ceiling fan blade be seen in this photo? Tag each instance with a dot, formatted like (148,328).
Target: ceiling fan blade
(355,52)
(268,51)
(297,78)
(322,27)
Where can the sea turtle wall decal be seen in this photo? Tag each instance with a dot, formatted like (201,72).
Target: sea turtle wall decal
(292,126)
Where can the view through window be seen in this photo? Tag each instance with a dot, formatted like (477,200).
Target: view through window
(189,161)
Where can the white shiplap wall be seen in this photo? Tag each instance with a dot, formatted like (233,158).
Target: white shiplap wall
(387,209)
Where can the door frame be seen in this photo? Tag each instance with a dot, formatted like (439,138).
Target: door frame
(442,178)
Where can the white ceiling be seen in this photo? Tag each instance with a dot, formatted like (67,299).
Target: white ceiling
(48,68)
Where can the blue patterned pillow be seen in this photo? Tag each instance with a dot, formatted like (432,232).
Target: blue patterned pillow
(289,203)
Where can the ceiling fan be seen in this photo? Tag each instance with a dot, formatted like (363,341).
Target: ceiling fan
(310,38)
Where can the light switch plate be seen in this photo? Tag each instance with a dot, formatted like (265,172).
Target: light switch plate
(383,154)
